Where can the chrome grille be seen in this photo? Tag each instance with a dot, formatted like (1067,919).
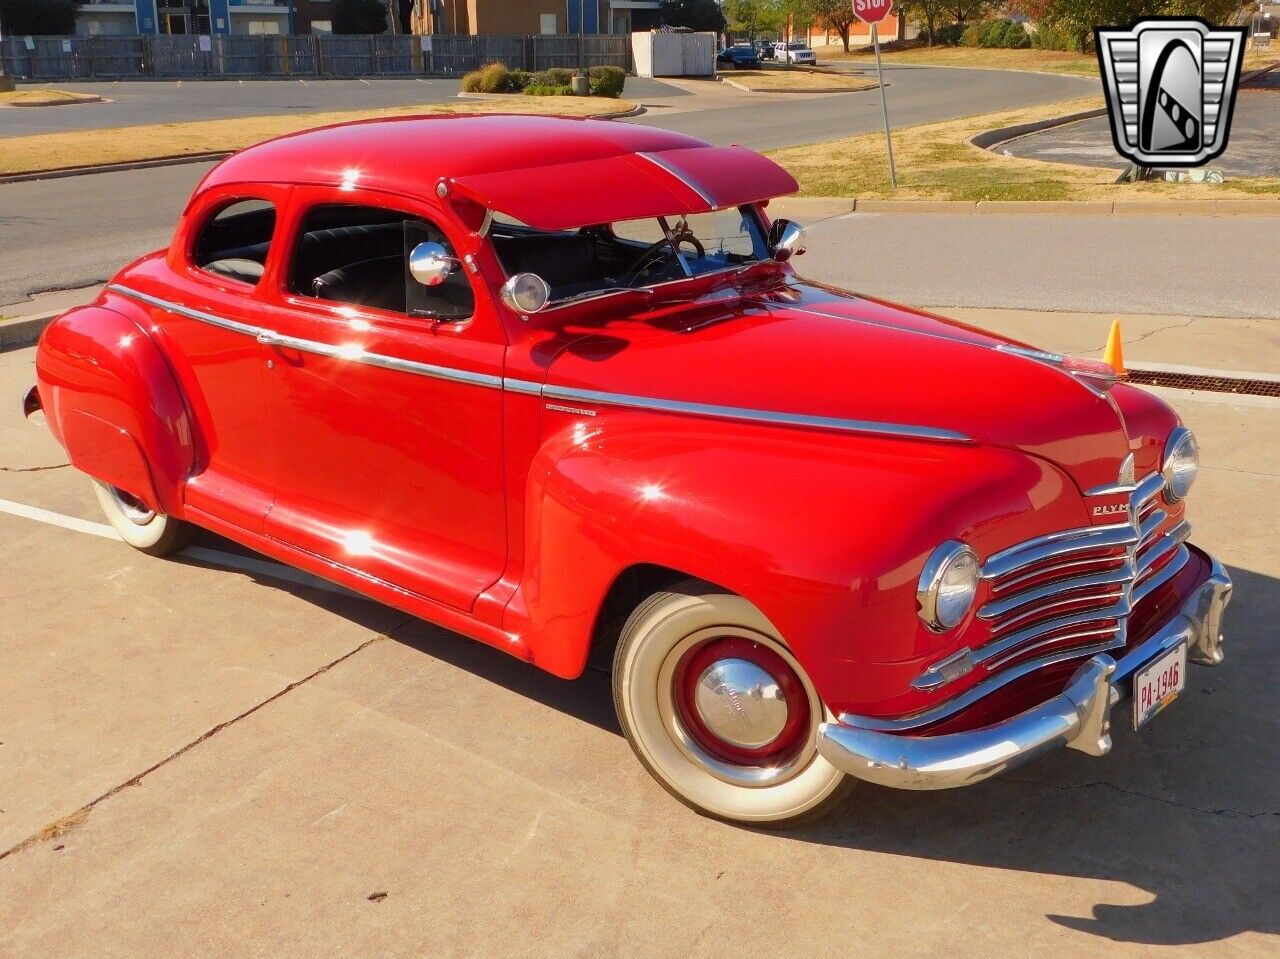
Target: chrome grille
(1070,591)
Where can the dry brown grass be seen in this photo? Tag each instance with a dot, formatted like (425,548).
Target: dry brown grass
(45,98)
(53,151)
(935,161)
(796,81)
(1044,61)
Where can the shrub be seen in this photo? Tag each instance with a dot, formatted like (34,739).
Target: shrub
(548,90)
(555,77)
(518,80)
(1049,37)
(996,33)
(607,81)
(950,36)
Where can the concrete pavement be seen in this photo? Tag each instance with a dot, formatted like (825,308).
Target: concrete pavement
(201,761)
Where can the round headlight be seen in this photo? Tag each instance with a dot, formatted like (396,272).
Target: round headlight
(1181,463)
(948,585)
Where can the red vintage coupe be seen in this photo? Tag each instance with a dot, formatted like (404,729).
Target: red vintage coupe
(555,385)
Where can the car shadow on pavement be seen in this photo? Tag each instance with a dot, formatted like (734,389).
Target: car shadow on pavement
(1188,811)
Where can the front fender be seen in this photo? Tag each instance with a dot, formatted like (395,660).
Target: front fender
(826,533)
(112,401)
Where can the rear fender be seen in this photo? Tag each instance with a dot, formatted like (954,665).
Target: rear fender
(110,398)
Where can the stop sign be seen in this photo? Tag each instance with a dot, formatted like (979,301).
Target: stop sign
(872,11)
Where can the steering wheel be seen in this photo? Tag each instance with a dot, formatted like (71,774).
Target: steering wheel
(641,262)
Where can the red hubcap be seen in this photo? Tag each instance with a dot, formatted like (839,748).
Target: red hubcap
(695,663)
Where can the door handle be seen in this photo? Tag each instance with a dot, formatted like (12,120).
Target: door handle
(267,338)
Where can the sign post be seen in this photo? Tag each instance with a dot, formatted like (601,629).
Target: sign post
(872,12)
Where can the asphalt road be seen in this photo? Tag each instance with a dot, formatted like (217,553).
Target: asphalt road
(1251,146)
(65,233)
(131,103)
(203,757)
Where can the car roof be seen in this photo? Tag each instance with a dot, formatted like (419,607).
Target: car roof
(519,165)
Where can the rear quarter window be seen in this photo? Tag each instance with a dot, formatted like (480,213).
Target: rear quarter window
(234,242)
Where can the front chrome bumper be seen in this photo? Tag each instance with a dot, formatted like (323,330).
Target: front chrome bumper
(1078,717)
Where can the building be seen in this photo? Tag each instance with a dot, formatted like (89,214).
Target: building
(522,17)
(185,16)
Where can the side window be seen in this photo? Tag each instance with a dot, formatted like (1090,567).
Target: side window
(234,242)
(360,255)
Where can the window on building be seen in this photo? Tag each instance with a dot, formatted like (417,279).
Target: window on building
(322,26)
(547,24)
(234,242)
(360,255)
(262,28)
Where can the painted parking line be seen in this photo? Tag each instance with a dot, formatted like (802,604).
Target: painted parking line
(201,554)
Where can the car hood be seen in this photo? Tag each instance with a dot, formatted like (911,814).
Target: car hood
(813,354)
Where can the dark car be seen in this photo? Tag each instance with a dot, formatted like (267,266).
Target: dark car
(764,49)
(738,58)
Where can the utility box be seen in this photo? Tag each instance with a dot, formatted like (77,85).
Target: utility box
(667,53)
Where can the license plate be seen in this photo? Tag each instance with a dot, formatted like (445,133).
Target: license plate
(1158,684)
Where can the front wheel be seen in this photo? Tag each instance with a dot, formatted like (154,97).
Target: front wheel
(720,712)
(156,534)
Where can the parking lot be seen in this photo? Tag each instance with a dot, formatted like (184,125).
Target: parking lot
(213,755)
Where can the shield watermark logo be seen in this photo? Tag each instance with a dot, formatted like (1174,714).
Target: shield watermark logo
(1171,86)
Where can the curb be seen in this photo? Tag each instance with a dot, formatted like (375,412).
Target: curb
(54,103)
(58,174)
(990,139)
(25,330)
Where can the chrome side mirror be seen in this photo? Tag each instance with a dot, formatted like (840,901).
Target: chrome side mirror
(526,293)
(430,264)
(787,240)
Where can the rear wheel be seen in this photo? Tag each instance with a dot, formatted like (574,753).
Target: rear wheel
(140,526)
(720,712)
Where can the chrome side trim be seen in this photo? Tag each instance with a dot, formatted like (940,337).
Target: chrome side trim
(353,354)
(180,310)
(752,415)
(682,177)
(521,386)
(529,388)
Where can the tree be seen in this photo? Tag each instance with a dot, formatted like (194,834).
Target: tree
(752,16)
(359,16)
(962,11)
(835,15)
(926,13)
(37,17)
(1078,17)
(701,15)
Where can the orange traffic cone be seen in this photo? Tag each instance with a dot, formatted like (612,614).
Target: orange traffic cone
(1113,355)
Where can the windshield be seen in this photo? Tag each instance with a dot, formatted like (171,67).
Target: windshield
(630,254)
(796,46)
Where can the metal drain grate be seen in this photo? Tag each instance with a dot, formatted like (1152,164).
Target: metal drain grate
(1199,381)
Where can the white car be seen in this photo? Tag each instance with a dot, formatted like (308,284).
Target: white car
(796,51)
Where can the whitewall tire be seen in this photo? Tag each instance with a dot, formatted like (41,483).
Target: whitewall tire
(141,527)
(720,712)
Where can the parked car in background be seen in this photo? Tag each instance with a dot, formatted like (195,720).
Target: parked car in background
(738,57)
(555,385)
(764,49)
(796,51)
